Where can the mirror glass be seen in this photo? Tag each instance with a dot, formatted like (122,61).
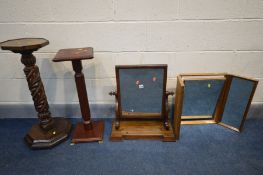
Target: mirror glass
(200,98)
(237,101)
(141,89)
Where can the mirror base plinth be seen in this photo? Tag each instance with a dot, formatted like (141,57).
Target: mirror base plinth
(142,129)
(38,138)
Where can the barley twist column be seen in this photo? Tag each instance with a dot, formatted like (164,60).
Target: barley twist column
(50,131)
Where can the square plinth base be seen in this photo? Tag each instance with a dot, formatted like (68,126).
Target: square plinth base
(95,134)
(139,129)
(37,138)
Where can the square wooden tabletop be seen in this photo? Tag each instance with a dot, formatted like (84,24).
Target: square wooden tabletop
(74,54)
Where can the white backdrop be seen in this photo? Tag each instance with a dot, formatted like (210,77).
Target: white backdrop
(188,35)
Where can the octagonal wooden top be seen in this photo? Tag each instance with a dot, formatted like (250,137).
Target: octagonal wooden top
(74,54)
(24,44)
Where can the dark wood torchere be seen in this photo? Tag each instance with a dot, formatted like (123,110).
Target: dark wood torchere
(50,131)
(86,131)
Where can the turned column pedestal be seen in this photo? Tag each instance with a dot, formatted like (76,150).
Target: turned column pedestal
(88,130)
(50,131)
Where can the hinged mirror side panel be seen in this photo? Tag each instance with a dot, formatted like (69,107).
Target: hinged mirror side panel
(222,99)
(238,101)
(178,106)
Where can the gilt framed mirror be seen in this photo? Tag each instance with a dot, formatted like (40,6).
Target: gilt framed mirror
(213,98)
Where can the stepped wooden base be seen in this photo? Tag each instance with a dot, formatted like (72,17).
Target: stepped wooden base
(37,138)
(82,135)
(140,129)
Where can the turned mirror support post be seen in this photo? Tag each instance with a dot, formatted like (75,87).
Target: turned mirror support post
(117,121)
